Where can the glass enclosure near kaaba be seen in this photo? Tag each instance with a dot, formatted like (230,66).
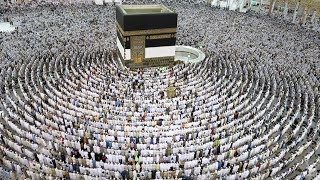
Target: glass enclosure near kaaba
(146,35)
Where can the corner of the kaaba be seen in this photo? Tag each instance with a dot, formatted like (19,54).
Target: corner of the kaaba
(119,16)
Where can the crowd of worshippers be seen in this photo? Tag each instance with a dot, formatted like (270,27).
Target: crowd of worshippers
(253,41)
(80,151)
(95,154)
(242,36)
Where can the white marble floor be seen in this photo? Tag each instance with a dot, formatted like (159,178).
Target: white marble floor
(6,27)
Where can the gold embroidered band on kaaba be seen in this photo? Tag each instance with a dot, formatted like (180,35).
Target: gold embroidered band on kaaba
(145,32)
(161,36)
(151,37)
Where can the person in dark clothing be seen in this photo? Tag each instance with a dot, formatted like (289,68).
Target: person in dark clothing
(36,157)
(124,174)
(54,163)
(63,157)
(153,174)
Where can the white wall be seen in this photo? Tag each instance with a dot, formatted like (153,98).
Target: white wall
(234,4)
(162,51)
(150,52)
(214,2)
(223,4)
(113,1)
(231,4)
(6,27)
(98,2)
(122,50)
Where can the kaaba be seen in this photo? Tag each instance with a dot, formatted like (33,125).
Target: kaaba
(146,35)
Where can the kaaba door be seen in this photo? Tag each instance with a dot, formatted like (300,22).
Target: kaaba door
(137,46)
